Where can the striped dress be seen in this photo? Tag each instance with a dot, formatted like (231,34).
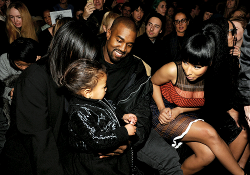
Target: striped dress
(184,94)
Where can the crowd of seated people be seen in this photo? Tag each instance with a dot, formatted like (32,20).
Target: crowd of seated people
(125,87)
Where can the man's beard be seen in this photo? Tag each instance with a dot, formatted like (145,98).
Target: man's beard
(113,59)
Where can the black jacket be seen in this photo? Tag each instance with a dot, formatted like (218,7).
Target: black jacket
(151,53)
(244,76)
(93,125)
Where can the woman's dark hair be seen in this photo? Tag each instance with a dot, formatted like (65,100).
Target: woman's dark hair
(136,4)
(23,49)
(73,40)
(83,74)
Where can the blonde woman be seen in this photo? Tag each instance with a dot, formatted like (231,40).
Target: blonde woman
(19,22)
(107,21)
(231,5)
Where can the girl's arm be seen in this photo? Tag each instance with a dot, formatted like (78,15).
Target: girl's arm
(91,130)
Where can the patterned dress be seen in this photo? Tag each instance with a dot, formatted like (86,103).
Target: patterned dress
(184,94)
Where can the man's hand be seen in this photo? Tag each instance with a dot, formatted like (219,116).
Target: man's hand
(88,10)
(116,152)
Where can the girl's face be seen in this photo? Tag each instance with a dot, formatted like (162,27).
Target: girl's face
(138,14)
(15,17)
(230,4)
(162,8)
(240,31)
(171,11)
(193,72)
(207,15)
(47,18)
(98,92)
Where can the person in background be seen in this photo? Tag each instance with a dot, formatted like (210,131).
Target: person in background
(3,8)
(47,19)
(63,5)
(160,6)
(107,22)
(19,22)
(174,41)
(230,6)
(78,12)
(149,46)
(126,9)
(137,16)
(93,14)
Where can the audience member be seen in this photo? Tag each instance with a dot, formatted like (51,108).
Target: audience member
(241,11)
(160,6)
(3,8)
(63,5)
(230,6)
(79,12)
(34,142)
(107,21)
(19,22)
(174,41)
(193,9)
(126,9)
(100,130)
(170,11)
(127,78)
(179,91)
(93,14)
(137,16)
(149,46)
(4,44)
(47,19)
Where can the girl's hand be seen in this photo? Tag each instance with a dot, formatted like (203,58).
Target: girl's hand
(88,10)
(131,129)
(130,118)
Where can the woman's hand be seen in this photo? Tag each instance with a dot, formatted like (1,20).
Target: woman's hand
(165,116)
(235,115)
(88,10)
(236,51)
(175,112)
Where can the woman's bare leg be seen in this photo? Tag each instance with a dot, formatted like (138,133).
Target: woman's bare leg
(204,133)
(245,156)
(202,157)
(239,146)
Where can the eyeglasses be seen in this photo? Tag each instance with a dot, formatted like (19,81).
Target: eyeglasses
(180,21)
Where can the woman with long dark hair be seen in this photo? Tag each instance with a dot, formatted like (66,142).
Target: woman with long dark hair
(34,141)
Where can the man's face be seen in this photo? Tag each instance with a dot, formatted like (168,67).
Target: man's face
(119,43)
(153,27)
(126,11)
(197,10)
(99,4)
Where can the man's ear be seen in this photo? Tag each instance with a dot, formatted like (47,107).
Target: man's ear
(160,31)
(108,34)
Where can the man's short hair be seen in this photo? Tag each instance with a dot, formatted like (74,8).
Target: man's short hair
(126,4)
(124,20)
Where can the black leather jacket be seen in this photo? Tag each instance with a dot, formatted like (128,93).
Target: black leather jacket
(93,125)
(244,76)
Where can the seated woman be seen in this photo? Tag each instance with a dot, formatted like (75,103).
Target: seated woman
(179,91)
(107,21)
(19,22)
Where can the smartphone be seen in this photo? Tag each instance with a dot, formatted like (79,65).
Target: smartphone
(90,1)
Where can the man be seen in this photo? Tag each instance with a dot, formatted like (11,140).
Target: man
(93,14)
(130,90)
(126,9)
(149,46)
(244,76)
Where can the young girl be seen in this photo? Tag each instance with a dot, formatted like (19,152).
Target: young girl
(93,126)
